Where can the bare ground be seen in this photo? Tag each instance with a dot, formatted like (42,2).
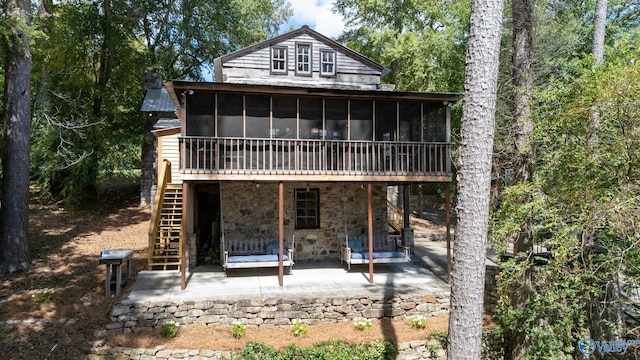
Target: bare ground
(64,246)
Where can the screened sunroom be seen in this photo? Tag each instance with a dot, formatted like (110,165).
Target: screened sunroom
(265,131)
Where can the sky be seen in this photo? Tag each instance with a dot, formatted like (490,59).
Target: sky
(317,15)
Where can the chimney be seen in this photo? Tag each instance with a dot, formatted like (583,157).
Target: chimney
(152,81)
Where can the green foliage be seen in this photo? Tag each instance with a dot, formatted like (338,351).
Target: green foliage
(183,37)
(299,328)
(422,42)
(441,336)
(43,295)
(257,351)
(582,204)
(362,324)
(327,350)
(89,61)
(169,330)
(418,321)
(238,330)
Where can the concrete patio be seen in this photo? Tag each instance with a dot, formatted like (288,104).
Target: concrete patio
(315,291)
(426,274)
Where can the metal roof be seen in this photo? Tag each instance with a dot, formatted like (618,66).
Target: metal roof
(175,86)
(165,123)
(158,100)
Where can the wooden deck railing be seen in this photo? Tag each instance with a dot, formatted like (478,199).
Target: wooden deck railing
(202,155)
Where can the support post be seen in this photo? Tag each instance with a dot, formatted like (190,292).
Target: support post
(407,232)
(281,233)
(183,237)
(420,201)
(406,193)
(370,220)
(447,216)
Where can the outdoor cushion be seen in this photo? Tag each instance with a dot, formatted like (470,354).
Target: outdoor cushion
(379,255)
(254,258)
(355,245)
(273,247)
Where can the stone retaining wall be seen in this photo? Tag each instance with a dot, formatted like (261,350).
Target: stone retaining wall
(406,351)
(270,312)
(491,297)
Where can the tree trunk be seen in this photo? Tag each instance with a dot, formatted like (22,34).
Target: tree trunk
(14,212)
(474,180)
(598,32)
(522,125)
(599,23)
(521,60)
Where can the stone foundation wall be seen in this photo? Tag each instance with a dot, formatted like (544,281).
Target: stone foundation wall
(251,211)
(406,351)
(491,288)
(127,318)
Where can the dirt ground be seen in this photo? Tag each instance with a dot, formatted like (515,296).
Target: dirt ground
(64,246)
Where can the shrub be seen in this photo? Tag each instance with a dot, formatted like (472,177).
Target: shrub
(418,321)
(256,351)
(299,328)
(362,324)
(43,295)
(329,350)
(238,330)
(441,336)
(169,330)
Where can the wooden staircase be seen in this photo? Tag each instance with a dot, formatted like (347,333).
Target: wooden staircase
(395,218)
(165,227)
(166,252)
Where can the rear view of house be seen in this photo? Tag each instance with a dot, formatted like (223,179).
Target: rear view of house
(296,141)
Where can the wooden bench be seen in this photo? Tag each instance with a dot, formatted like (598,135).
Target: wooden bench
(254,253)
(355,250)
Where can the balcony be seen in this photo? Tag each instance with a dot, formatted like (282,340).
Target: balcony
(203,158)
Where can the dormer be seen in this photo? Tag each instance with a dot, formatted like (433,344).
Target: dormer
(300,57)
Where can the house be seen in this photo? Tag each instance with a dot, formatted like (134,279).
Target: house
(296,139)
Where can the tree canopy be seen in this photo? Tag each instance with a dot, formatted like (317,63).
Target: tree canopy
(90,58)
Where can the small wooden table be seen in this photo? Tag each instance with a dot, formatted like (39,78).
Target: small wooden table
(114,259)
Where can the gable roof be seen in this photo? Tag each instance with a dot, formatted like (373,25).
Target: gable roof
(308,31)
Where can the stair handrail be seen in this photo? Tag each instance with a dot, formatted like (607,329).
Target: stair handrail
(395,217)
(164,178)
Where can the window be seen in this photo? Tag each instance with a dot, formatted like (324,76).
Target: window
(303,59)
(285,112)
(257,109)
(230,109)
(279,60)
(386,120)
(327,62)
(311,110)
(361,126)
(409,121)
(307,208)
(336,114)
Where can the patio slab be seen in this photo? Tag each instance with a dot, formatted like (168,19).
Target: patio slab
(308,280)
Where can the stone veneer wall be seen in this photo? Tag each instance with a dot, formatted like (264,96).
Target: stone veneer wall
(251,211)
(135,318)
(128,318)
(406,351)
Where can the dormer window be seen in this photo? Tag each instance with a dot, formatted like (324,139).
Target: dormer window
(279,60)
(327,63)
(303,59)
